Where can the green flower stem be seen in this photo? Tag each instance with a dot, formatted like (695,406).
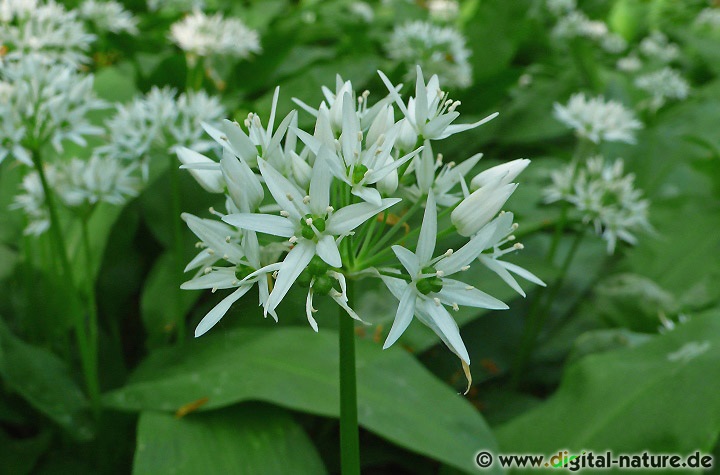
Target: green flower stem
(55,229)
(396,227)
(177,244)
(91,367)
(538,314)
(81,333)
(349,436)
(583,150)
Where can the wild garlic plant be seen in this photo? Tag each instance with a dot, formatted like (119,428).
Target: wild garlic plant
(317,210)
(361,195)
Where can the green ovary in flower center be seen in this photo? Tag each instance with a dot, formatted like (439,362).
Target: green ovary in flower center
(429,284)
(306,228)
(358,173)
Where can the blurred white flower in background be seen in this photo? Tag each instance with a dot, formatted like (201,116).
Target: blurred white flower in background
(159,121)
(436,49)
(629,64)
(657,46)
(663,85)
(362,10)
(443,10)
(709,18)
(84,183)
(204,35)
(175,5)
(108,16)
(31,201)
(598,120)
(46,30)
(577,24)
(603,196)
(48,105)
(561,7)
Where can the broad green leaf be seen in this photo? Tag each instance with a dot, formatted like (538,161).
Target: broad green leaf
(250,438)
(659,396)
(43,380)
(19,455)
(163,303)
(397,398)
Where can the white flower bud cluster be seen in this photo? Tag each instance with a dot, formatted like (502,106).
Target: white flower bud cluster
(311,208)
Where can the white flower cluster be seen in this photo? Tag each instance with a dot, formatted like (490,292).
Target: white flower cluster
(663,85)
(574,23)
(201,35)
(443,10)
(80,184)
(598,120)
(314,209)
(708,18)
(439,50)
(160,121)
(604,196)
(46,30)
(45,104)
(108,16)
(175,5)
(658,47)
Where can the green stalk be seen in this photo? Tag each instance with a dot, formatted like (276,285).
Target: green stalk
(55,229)
(538,314)
(59,240)
(177,244)
(91,368)
(349,432)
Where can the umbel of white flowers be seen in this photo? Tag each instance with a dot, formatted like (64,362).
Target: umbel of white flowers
(314,209)
(604,196)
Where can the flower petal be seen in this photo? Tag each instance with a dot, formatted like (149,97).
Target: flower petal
(350,217)
(219,311)
(328,251)
(409,260)
(428,231)
(404,315)
(454,291)
(295,262)
(262,223)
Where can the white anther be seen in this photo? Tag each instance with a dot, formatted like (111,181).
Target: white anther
(511,237)
(455,307)
(234,282)
(464,268)
(365,93)
(293,239)
(306,199)
(211,252)
(226,257)
(437,301)
(308,221)
(213,290)
(284,214)
(329,209)
(439,273)
(448,253)
(207,270)
(275,274)
(223,137)
(228,238)
(515,226)
(518,246)
(469,287)
(289,197)
(359,136)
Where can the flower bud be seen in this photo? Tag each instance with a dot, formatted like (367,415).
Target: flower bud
(501,174)
(480,207)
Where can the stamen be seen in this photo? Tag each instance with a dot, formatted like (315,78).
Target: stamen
(518,246)
(293,239)
(211,251)
(308,221)
(437,301)
(455,307)
(469,287)
(440,273)
(213,290)
(228,239)
(207,270)
(306,199)
(329,209)
(284,214)
(464,268)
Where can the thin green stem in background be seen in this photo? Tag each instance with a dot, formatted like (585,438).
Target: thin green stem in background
(538,313)
(177,243)
(92,374)
(349,436)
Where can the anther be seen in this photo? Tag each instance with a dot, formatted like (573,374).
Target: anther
(464,268)
(308,221)
(455,307)
(518,246)
(469,287)
(293,239)
(359,136)
(439,273)
(448,253)
(213,290)
(227,238)
(437,301)
(329,209)
(289,197)
(306,199)
(207,270)
(284,214)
